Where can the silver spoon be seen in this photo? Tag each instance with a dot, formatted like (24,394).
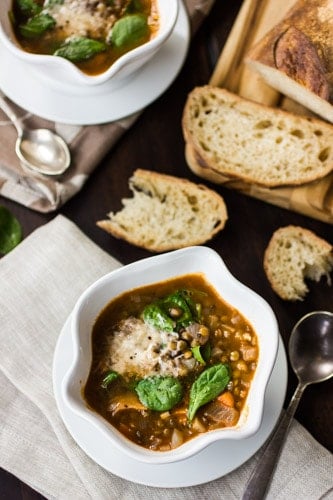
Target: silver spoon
(40,150)
(311,357)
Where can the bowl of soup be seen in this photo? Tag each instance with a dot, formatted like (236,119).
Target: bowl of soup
(87,42)
(171,353)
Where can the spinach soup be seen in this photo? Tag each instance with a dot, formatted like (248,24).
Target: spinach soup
(170,360)
(90,33)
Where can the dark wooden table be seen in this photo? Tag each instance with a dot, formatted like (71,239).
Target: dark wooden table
(156,142)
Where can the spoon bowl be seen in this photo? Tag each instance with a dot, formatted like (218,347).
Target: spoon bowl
(39,150)
(311,347)
(311,357)
(43,151)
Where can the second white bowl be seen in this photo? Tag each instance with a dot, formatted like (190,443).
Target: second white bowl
(65,72)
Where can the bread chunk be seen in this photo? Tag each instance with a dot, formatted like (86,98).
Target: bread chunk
(260,145)
(296,56)
(166,213)
(293,255)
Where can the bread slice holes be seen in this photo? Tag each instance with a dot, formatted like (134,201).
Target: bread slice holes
(150,242)
(318,133)
(263,124)
(193,202)
(204,146)
(297,133)
(324,154)
(278,140)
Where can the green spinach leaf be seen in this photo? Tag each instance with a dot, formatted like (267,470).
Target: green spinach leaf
(159,393)
(159,314)
(80,48)
(129,30)
(210,383)
(10,231)
(109,378)
(201,353)
(28,7)
(156,317)
(134,6)
(180,300)
(37,25)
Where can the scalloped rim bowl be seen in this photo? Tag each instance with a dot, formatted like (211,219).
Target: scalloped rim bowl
(62,70)
(155,269)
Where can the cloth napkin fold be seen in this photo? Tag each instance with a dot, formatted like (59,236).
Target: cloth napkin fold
(88,145)
(41,280)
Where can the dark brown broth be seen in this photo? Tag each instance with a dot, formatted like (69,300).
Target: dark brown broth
(48,42)
(229,332)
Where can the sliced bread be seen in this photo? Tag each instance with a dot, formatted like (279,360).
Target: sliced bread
(242,139)
(166,213)
(296,56)
(293,255)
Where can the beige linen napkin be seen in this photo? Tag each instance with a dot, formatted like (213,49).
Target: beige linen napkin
(88,146)
(41,280)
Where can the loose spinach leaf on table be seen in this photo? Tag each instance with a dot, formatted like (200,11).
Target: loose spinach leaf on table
(210,383)
(37,25)
(80,48)
(129,30)
(10,231)
(159,393)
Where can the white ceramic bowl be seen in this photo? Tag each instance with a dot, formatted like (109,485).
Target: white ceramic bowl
(65,72)
(159,268)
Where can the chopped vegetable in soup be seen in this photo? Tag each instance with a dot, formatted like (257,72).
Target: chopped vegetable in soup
(90,33)
(170,360)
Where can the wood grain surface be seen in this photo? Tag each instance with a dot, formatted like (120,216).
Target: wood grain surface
(255,18)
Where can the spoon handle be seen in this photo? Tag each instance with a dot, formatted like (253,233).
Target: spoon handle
(263,471)
(11,114)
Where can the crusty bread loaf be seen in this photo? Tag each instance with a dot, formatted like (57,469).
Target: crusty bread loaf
(166,213)
(255,143)
(296,56)
(292,255)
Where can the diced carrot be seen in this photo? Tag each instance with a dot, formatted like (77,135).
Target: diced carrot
(227,399)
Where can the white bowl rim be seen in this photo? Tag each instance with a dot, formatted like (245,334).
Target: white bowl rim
(195,445)
(90,80)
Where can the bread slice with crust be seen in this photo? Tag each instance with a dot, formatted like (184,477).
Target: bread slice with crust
(260,145)
(166,213)
(293,255)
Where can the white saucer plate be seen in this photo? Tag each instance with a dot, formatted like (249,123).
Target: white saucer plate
(34,91)
(213,462)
